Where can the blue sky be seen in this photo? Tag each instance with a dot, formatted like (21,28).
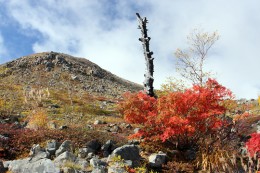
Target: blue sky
(105,32)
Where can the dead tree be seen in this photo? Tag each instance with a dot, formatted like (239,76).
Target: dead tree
(148,82)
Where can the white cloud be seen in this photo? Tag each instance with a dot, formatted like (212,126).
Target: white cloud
(106,34)
(3,50)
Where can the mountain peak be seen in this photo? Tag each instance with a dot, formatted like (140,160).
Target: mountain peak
(58,70)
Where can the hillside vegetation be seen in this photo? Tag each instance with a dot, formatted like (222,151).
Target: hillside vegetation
(51,96)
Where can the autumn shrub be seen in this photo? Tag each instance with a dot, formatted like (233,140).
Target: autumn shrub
(38,119)
(180,117)
(253,145)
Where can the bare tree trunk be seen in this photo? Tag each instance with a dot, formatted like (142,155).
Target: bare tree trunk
(148,82)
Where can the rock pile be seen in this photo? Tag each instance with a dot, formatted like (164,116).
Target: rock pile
(94,157)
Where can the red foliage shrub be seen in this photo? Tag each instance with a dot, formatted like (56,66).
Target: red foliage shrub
(253,144)
(177,116)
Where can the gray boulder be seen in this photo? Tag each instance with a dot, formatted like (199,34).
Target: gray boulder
(157,160)
(99,169)
(83,152)
(25,166)
(127,152)
(108,147)
(84,164)
(52,146)
(36,148)
(65,146)
(37,153)
(94,145)
(64,157)
(95,162)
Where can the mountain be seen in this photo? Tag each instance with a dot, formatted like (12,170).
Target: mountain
(59,71)
(62,86)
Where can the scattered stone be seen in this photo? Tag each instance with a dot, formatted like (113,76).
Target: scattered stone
(127,152)
(83,152)
(63,127)
(94,145)
(64,157)
(99,122)
(157,160)
(74,77)
(89,127)
(136,130)
(108,147)
(117,167)
(95,162)
(99,169)
(90,156)
(52,146)
(115,129)
(65,146)
(126,126)
(52,125)
(36,148)
(37,153)
(84,164)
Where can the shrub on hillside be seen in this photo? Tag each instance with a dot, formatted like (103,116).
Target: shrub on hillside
(180,117)
(38,119)
(253,145)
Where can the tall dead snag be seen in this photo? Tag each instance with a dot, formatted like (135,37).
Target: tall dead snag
(148,82)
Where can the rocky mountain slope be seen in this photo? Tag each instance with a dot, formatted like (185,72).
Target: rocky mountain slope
(60,71)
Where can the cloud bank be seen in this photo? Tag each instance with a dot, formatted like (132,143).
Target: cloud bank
(105,32)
